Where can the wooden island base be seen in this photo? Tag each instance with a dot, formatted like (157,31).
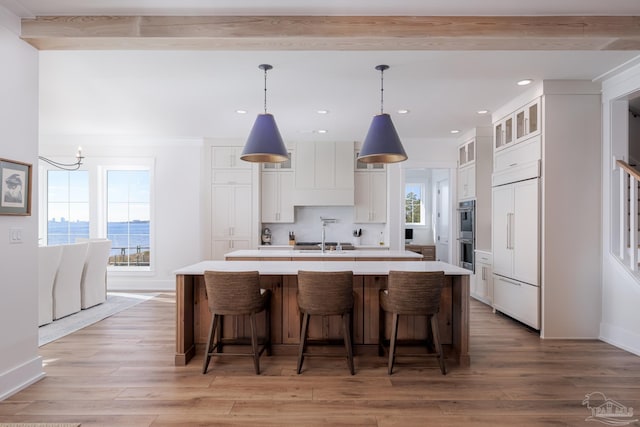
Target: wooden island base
(193,317)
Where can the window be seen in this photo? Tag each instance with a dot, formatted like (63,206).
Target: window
(67,206)
(414,204)
(128,217)
(109,198)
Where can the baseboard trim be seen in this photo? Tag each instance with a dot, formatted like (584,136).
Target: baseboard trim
(621,338)
(142,285)
(21,377)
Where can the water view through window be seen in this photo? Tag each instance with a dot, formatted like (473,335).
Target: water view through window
(128,215)
(127,212)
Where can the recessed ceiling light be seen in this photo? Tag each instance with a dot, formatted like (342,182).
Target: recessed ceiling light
(525,82)
(322,111)
(482,111)
(454,131)
(403,111)
(321,131)
(241,111)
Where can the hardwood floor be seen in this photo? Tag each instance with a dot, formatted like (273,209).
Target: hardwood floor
(120,372)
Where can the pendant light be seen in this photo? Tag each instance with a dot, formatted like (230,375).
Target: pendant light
(265,144)
(382,144)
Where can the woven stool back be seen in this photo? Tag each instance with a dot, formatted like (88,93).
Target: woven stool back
(414,292)
(233,292)
(325,292)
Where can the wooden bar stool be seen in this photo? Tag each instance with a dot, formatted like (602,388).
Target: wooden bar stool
(237,294)
(326,294)
(412,293)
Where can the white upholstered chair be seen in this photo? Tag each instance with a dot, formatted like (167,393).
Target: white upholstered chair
(66,290)
(48,262)
(93,287)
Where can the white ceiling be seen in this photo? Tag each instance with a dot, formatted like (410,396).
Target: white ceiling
(196,93)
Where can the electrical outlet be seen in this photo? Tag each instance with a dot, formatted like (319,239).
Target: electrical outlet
(15,235)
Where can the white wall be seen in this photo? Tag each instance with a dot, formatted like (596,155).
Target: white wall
(620,324)
(176,218)
(20,364)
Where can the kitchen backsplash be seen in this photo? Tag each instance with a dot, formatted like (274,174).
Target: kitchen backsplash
(308,227)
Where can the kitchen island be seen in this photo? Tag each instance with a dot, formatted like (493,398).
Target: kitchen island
(317,255)
(193,317)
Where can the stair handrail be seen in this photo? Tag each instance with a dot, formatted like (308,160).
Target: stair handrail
(629,169)
(629,178)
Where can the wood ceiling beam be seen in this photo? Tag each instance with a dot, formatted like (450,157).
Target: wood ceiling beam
(334,32)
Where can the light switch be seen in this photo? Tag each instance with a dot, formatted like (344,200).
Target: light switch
(15,235)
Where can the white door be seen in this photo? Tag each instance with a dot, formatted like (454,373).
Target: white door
(502,213)
(442,220)
(525,232)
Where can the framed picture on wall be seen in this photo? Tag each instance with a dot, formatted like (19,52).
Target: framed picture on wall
(15,187)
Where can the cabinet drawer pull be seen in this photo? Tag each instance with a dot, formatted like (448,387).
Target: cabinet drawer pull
(510,282)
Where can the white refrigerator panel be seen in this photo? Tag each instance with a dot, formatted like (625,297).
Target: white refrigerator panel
(525,232)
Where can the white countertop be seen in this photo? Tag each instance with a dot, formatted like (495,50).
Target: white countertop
(363,268)
(288,253)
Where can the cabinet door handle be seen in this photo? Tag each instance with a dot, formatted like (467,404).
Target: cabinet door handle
(508,230)
(511,222)
(484,270)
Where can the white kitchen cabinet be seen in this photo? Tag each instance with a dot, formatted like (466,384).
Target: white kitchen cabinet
(231,216)
(228,158)
(467,182)
(516,256)
(370,197)
(516,231)
(503,133)
(467,153)
(482,285)
(517,126)
(277,197)
(467,170)
(324,174)
(527,120)
(517,299)
(558,122)
(221,247)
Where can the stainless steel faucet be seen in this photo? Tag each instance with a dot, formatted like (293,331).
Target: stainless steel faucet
(326,221)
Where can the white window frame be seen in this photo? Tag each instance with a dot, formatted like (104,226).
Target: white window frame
(97,168)
(123,165)
(423,216)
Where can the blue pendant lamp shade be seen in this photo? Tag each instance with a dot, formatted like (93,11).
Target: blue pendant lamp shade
(382,143)
(265,144)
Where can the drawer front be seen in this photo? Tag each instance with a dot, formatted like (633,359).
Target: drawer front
(519,300)
(518,154)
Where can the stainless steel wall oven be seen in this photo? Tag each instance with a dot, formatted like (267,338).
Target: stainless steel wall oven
(467,234)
